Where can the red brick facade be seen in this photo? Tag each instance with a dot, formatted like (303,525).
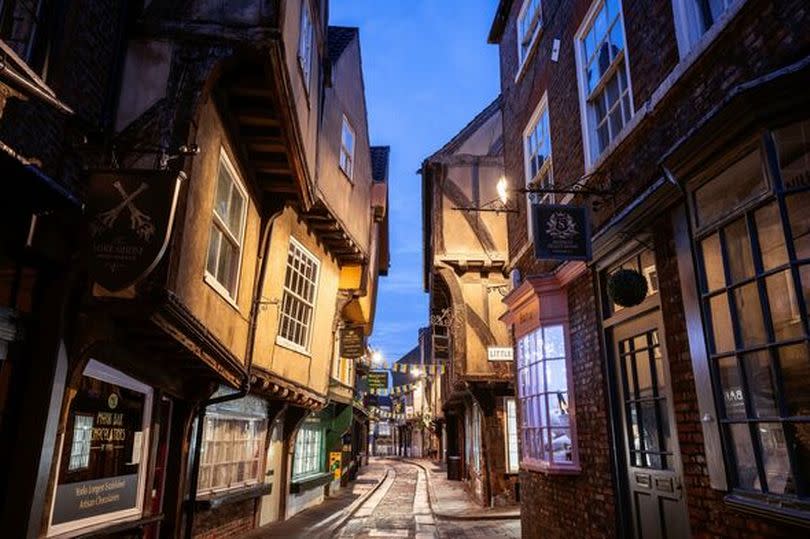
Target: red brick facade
(228,521)
(759,39)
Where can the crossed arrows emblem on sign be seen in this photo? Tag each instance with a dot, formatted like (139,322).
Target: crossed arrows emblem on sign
(140,222)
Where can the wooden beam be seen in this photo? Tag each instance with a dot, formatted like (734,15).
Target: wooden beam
(262,117)
(272,167)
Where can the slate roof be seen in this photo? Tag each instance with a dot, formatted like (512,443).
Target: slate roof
(379,163)
(338,38)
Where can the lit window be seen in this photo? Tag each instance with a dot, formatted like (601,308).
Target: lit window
(308,457)
(604,77)
(298,303)
(305,44)
(693,18)
(543,393)
(347,148)
(231,455)
(511,436)
(754,258)
(227,231)
(80,447)
(529,22)
(473,420)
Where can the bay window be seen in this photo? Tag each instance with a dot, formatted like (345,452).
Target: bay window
(604,77)
(752,240)
(546,428)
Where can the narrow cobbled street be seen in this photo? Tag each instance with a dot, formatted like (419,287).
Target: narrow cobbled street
(402,508)
(394,500)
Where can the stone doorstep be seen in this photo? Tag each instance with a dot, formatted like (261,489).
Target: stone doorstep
(466,514)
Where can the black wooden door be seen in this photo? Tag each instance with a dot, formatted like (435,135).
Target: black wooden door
(651,446)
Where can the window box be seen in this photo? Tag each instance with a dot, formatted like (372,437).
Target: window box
(218,499)
(309,482)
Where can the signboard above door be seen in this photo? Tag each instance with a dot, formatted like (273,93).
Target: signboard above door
(561,232)
(131,214)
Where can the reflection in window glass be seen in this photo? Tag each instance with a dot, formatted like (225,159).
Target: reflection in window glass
(763,328)
(738,184)
(544,397)
(80,448)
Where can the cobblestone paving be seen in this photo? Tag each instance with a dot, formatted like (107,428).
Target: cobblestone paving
(502,529)
(400,509)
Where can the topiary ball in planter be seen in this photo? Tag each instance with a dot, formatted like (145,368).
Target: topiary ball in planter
(627,287)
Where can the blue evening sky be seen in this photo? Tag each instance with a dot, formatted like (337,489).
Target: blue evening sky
(428,71)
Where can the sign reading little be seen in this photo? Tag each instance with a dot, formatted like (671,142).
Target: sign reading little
(499,353)
(131,214)
(561,232)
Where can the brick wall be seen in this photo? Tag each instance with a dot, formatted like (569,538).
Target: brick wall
(762,38)
(554,505)
(82,70)
(227,521)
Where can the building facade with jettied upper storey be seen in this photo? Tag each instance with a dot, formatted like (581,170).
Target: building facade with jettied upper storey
(201,218)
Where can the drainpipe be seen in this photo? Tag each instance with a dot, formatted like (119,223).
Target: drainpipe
(258,286)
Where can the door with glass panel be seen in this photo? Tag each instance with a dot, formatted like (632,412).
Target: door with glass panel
(651,448)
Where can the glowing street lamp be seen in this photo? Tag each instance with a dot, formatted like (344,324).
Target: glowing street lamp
(416,372)
(502,193)
(377,358)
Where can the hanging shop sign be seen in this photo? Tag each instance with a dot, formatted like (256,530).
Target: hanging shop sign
(499,353)
(131,213)
(377,380)
(561,232)
(352,342)
(102,470)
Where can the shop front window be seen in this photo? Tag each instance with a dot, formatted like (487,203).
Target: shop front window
(753,245)
(232,450)
(543,392)
(101,471)
(309,453)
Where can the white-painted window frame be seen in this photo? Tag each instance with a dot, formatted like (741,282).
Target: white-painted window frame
(511,434)
(535,31)
(587,114)
(546,169)
(690,27)
(309,302)
(228,235)
(346,159)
